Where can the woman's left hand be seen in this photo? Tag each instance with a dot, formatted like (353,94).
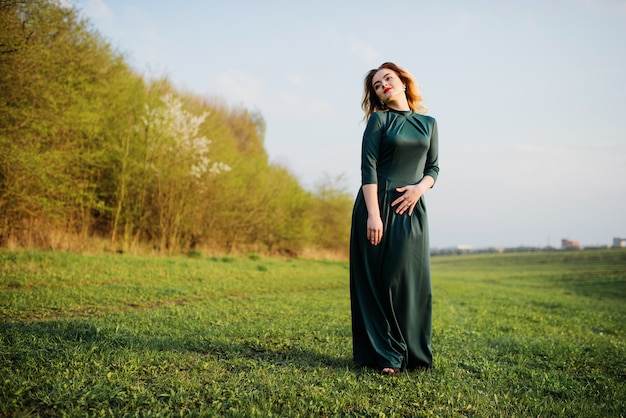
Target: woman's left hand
(409,198)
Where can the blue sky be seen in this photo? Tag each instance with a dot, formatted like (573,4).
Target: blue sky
(530,96)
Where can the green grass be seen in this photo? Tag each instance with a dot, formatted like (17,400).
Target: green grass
(515,335)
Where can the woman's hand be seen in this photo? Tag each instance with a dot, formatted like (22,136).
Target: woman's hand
(411,194)
(409,198)
(374,229)
(374,222)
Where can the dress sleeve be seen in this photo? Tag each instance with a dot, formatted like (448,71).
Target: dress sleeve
(432,159)
(372,138)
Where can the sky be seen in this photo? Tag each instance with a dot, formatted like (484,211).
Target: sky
(529,97)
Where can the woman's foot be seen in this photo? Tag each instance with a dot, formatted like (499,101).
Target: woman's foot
(388,371)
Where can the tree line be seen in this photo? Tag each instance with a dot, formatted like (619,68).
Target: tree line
(91,151)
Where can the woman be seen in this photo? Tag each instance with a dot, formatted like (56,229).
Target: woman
(390,284)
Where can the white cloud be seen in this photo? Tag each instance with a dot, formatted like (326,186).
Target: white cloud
(240,86)
(319,106)
(296,79)
(142,23)
(97,10)
(617,6)
(365,52)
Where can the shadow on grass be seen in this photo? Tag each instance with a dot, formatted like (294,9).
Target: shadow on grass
(600,286)
(23,340)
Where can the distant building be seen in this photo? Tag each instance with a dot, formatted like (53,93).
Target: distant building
(463,249)
(619,242)
(568,243)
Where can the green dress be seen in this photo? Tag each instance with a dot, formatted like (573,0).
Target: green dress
(390,284)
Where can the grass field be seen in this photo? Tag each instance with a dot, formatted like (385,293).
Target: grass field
(515,335)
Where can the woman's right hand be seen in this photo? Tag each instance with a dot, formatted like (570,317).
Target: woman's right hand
(374,229)
(374,222)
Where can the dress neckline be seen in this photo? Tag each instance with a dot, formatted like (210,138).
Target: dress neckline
(401,112)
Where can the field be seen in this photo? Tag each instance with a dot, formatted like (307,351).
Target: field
(515,335)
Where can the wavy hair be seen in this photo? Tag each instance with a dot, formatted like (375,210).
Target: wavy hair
(371,103)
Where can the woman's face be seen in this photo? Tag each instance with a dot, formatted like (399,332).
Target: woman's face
(387,84)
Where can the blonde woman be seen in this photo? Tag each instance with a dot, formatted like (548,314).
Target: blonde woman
(390,282)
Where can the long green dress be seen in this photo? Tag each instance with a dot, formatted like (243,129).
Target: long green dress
(390,284)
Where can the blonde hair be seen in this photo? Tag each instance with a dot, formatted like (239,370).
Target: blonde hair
(371,103)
